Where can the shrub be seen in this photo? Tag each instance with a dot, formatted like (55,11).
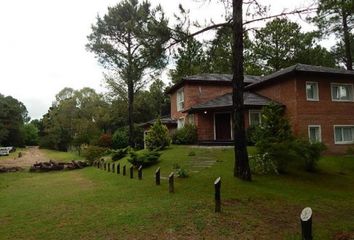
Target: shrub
(309,153)
(186,135)
(120,138)
(105,140)
(263,164)
(157,137)
(119,154)
(92,153)
(182,173)
(191,154)
(144,159)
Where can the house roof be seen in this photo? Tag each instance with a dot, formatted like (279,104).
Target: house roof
(301,68)
(212,78)
(225,101)
(167,120)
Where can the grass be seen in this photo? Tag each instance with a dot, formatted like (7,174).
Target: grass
(61,156)
(93,204)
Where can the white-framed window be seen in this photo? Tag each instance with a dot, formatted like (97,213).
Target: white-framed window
(344,134)
(191,119)
(314,132)
(180,123)
(312,91)
(342,92)
(180,99)
(255,117)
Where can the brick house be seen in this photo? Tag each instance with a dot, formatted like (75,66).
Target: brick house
(318,101)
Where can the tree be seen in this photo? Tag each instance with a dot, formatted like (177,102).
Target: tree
(337,16)
(159,99)
(338,51)
(31,137)
(130,40)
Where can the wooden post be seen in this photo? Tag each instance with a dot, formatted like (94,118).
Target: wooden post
(131,172)
(124,170)
(217,185)
(140,172)
(118,168)
(113,167)
(109,167)
(306,223)
(105,166)
(171,187)
(157,176)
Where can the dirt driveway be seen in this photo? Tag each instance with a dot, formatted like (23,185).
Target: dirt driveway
(29,157)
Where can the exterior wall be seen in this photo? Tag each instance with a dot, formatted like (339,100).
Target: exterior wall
(195,94)
(324,112)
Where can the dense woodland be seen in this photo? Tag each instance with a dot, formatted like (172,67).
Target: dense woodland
(133,42)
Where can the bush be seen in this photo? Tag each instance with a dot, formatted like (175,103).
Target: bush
(192,154)
(105,140)
(182,173)
(144,159)
(157,137)
(119,154)
(92,153)
(309,153)
(186,135)
(263,164)
(120,138)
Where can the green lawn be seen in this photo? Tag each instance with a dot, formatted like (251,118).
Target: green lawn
(61,156)
(13,155)
(93,204)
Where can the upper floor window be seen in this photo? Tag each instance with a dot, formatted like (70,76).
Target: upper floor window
(314,133)
(254,117)
(344,134)
(180,100)
(312,91)
(342,92)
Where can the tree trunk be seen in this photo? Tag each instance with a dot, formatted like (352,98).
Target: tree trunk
(130,112)
(348,54)
(241,168)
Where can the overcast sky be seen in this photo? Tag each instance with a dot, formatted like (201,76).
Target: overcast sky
(42,44)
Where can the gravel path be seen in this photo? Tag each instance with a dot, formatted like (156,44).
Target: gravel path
(29,157)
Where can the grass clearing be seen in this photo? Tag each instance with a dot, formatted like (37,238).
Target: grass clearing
(61,156)
(93,204)
(14,154)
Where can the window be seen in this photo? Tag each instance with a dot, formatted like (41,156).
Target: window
(254,118)
(314,133)
(344,134)
(312,91)
(180,100)
(342,92)
(180,123)
(191,119)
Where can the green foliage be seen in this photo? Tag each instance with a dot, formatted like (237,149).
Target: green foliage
(158,136)
(191,154)
(31,136)
(263,164)
(186,135)
(120,138)
(92,153)
(119,154)
(309,153)
(145,158)
(182,173)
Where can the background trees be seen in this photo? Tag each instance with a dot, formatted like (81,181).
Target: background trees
(129,40)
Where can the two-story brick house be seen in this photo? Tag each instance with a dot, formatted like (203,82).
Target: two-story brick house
(318,101)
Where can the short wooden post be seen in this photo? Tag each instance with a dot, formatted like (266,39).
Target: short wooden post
(306,223)
(113,167)
(131,172)
(171,187)
(140,172)
(157,176)
(105,166)
(109,167)
(118,168)
(124,170)
(217,185)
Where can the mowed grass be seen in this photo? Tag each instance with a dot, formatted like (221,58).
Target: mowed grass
(61,156)
(13,155)
(94,204)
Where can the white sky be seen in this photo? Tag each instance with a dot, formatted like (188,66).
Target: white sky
(42,44)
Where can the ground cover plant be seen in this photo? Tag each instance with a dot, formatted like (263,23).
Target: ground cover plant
(95,204)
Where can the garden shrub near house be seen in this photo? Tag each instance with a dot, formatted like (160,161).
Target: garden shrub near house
(309,153)
(144,158)
(119,154)
(92,153)
(186,135)
(120,138)
(157,137)
(105,140)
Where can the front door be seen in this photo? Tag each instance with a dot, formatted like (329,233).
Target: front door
(223,126)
